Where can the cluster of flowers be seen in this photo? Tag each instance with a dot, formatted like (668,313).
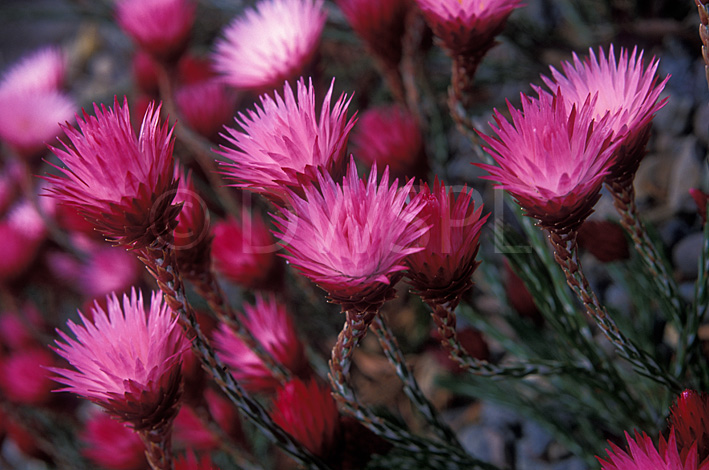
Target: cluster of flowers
(354,237)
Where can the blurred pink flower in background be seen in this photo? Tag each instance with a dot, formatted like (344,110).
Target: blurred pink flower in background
(390,136)
(553,162)
(191,237)
(160,27)
(121,182)
(284,141)
(272,326)
(24,378)
(44,70)
(351,239)
(273,42)
(22,231)
(111,444)
(128,360)
(206,107)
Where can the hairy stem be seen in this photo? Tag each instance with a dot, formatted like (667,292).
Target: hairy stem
(158,447)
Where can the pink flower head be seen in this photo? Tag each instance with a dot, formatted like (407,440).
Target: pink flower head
(467,27)
(269,44)
(122,183)
(160,27)
(643,455)
(624,89)
(17,251)
(192,241)
(351,238)
(307,411)
(551,160)
(689,418)
(108,269)
(390,136)
(112,445)
(128,360)
(40,72)
(441,272)
(272,326)
(284,141)
(23,376)
(245,253)
(380,23)
(206,107)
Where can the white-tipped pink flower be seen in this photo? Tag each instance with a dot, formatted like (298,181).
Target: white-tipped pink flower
(160,27)
(122,183)
(351,238)
(553,162)
(624,88)
(42,71)
(271,43)
(286,141)
(128,360)
(272,326)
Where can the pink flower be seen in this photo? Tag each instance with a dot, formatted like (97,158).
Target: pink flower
(467,27)
(441,272)
(380,23)
(128,360)
(308,412)
(390,136)
(161,27)
(43,71)
(351,238)
(269,44)
(122,183)
(192,241)
(551,160)
(23,376)
(643,455)
(206,107)
(284,141)
(245,253)
(689,418)
(111,444)
(624,88)
(272,326)
(18,250)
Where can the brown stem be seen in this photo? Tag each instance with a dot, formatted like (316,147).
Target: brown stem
(158,447)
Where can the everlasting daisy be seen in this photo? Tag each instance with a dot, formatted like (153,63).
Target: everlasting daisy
(160,27)
(689,418)
(121,182)
(272,326)
(351,238)
(271,43)
(128,360)
(625,89)
(643,455)
(286,140)
(551,160)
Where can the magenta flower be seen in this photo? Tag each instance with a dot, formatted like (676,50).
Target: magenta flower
(643,455)
(128,360)
(467,27)
(192,240)
(206,107)
(269,44)
(351,238)
(284,141)
(441,272)
(390,136)
(23,376)
(42,71)
(625,89)
(160,27)
(111,444)
(689,418)
(272,326)
(121,183)
(552,161)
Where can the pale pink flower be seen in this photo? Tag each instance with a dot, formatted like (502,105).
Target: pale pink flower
(272,326)
(643,455)
(551,160)
(625,89)
(244,252)
(111,444)
(160,27)
(390,136)
(42,71)
(127,360)
(269,44)
(307,411)
(467,27)
(351,238)
(206,107)
(284,141)
(121,182)
(441,272)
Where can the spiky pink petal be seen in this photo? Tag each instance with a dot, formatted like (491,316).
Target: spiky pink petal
(643,455)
